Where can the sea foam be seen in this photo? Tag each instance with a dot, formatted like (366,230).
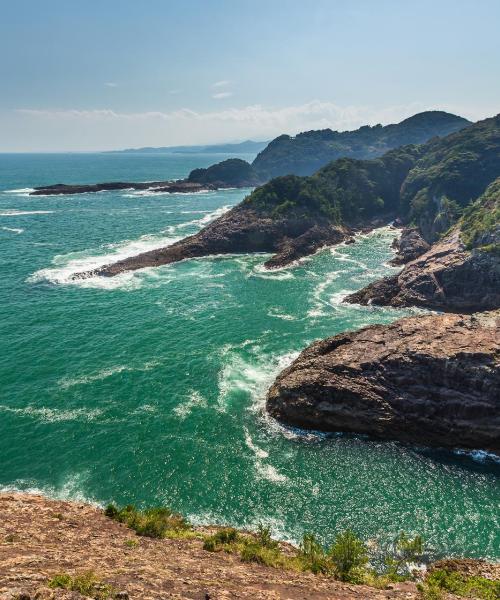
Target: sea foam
(66,266)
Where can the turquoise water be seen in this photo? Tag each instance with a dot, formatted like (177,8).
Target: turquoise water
(149,387)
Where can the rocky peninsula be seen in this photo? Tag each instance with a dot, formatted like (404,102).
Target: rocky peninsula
(429,380)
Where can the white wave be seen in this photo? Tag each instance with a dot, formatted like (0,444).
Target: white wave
(194,400)
(480,456)
(278,274)
(249,376)
(53,415)
(18,213)
(270,473)
(69,489)
(264,470)
(319,303)
(104,374)
(66,266)
(274,312)
(19,191)
(259,453)
(158,192)
(13,229)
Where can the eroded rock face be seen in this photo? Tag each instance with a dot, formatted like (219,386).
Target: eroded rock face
(447,277)
(409,246)
(430,380)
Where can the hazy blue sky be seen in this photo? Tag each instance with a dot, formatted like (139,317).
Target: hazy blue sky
(83,75)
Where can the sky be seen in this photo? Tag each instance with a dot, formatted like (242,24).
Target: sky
(98,75)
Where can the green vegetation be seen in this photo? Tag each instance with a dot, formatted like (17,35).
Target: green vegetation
(349,555)
(480,224)
(158,522)
(404,551)
(441,581)
(346,559)
(233,171)
(345,191)
(429,185)
(307,152)
(86,584)
(452,173)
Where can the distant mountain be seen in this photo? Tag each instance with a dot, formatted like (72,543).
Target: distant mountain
(307,152)
(246,147)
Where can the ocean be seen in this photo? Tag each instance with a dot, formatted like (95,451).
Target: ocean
(149,388)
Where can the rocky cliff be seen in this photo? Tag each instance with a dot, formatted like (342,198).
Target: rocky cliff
(430,380)
(459,273)
(447,277)
(40,538)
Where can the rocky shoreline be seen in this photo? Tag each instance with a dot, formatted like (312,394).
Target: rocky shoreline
(241,230)
(429,380)
(447,277)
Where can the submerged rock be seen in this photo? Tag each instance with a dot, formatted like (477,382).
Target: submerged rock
(431,380)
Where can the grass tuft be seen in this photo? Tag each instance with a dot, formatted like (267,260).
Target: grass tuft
(85,583)
(158,522)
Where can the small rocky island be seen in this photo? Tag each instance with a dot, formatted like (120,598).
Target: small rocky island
(428,380)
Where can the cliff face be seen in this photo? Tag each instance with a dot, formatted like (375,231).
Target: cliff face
(447,277)
(431,380)
(460,273)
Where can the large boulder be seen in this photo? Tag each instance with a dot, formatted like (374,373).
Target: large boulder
(430,380)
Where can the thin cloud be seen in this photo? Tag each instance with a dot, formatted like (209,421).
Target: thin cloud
(219,84)
(111,84)
(105,128)
(173,92)
(220,95)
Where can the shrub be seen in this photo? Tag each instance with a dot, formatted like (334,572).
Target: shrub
(404,552)
(349,555)
(264,537)
(86,584)
(313,554)
(156,522)
(438,582)
(222,537)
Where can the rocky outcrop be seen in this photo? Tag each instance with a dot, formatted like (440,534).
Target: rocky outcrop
(180,186)
(409,246)
(40,538)
(430,380)
(447,277)
(241,230)
(231,172)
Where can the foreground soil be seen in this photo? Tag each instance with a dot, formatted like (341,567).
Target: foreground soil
(41,537)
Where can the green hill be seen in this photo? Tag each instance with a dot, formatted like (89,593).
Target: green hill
(307,152)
